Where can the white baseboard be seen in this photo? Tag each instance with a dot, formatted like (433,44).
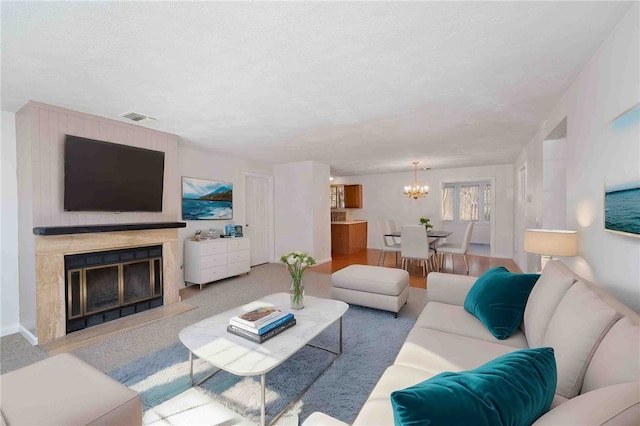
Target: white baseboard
(29,336)
(10,329)
(318,262)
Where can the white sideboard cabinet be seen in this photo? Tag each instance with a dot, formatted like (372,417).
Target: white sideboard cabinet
(211,260)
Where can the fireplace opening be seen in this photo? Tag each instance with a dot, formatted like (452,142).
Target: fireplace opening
(108,285)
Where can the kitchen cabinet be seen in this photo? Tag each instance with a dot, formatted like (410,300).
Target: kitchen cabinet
(346,196)
(353,196)
(348,237)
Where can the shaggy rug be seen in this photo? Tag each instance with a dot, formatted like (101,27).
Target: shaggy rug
(372,339)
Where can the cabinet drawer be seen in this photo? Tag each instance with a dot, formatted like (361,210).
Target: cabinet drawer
(213,260)
(213,274)
(213,247)
(238,244)
(238,256)
(239,268)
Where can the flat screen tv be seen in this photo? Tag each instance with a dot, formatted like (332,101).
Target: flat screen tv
(103,176)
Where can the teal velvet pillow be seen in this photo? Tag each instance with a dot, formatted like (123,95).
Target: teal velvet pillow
(514,389)
(498,297)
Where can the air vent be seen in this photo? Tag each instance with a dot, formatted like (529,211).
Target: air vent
(134,116)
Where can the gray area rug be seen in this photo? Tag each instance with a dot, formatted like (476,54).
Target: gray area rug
(372,339)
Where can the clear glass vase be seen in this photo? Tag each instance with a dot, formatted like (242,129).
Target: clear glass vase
(296,293)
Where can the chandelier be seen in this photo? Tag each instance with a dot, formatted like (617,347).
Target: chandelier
(416,191)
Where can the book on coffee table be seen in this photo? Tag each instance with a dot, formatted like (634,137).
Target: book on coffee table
(258,317)
(280,319)
(260,338)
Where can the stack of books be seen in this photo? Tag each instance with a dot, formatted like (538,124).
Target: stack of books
(261,324)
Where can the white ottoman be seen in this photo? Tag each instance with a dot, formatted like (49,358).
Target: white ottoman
(371,286)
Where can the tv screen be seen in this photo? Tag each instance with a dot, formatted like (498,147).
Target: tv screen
(103,176)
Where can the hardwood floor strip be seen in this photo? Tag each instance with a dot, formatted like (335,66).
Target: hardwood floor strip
(98,333)
(477,265)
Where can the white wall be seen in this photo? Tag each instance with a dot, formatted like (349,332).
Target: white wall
(554,184)
(383,199)
(207,165)
(9,302)
(302,213)
(608,85)
(321,213)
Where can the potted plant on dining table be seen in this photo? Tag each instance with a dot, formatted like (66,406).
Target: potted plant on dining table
(425,221)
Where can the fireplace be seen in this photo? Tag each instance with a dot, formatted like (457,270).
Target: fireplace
(107,285)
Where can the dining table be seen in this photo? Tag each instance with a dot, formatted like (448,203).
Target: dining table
(436,235)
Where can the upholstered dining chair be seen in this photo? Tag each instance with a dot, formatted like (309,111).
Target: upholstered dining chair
(451,249)
(391,225)
(386,245)
(415,246)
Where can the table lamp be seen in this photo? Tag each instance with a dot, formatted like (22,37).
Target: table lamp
(550,242)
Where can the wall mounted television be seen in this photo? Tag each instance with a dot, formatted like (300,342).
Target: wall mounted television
(109,177)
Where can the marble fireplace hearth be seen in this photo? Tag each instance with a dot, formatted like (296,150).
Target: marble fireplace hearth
(50,269)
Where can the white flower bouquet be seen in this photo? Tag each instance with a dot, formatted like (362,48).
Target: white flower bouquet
(297,262)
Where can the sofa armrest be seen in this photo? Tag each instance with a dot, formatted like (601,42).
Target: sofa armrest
(320,419)
(448,288)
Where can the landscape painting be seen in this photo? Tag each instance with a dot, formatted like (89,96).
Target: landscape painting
(622,186)
(206,199)
(622,208)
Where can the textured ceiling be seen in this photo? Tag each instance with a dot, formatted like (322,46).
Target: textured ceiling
(366,87)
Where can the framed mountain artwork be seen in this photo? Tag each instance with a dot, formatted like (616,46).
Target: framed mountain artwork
(204,199)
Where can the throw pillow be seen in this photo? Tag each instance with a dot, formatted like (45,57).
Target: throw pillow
(498,298)
(513,389)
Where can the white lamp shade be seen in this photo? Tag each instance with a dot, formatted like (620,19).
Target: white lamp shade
(551,242)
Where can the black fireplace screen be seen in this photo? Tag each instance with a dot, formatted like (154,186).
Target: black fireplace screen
(107,285)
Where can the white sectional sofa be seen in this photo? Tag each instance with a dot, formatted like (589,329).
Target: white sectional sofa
(596,340)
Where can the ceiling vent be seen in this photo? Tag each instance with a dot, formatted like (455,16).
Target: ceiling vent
(137,117)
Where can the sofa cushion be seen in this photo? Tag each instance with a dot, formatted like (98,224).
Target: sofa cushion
(515,388)
(617,358)
(437,351)
(454,319)
(611,405)
(448,288)
(543,301)
(377,409)
(498,299)
(575,330)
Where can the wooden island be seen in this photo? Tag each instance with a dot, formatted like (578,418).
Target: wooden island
(348,237)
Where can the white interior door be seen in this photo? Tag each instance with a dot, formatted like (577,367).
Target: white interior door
(259,196)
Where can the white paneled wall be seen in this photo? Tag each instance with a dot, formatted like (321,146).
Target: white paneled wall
(40,132)
(48,127)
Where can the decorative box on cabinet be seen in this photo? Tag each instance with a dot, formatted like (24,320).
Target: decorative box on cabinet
(211,260)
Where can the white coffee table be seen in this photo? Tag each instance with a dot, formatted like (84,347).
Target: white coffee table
(210,341)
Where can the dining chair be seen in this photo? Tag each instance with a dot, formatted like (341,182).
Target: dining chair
(385,245)
(451,249)
(415,246)
(391,225)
